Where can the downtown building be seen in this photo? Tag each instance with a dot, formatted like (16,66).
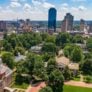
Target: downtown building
(52,20)
(67,23)
(23,26)
(82,25)
(90,28)
(3,26)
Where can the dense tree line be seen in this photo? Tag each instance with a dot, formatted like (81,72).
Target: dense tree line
(43,67)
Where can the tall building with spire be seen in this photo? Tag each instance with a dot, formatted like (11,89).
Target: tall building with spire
(52,20)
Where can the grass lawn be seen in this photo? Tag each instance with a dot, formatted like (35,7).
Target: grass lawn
(76,89)
(76,79)
(23,86)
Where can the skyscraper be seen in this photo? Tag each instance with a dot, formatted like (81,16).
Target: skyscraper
(52,20)
(82,25)
(67,24)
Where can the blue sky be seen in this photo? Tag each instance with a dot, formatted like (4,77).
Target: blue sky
(38,9)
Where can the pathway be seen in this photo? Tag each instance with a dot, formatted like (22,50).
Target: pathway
(37,87)
(80,84)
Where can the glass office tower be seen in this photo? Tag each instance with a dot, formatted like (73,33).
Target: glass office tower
(52,20)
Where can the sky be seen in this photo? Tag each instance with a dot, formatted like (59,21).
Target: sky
(38,9)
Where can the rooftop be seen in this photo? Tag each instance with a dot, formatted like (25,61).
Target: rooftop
(73,66)
(62,60)
(5,70)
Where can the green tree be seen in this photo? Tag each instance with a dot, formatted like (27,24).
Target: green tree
(78,39)
(44,36)
(19,50)
(7,46)
(87,67)
(39,69)
(46,89)
(8,59)
(89,44)
(46,57)
(88,55)
(88,79)
(21,73)
(67,73)
(49,48)
(51,65)
(62,39)
(50,38)
(77,54)
(13,42)
(56,81)
(68,50)
(30,62)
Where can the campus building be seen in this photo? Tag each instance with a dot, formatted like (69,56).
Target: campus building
(5,76)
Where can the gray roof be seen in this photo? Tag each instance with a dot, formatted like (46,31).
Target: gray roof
(20,57)
(36,48)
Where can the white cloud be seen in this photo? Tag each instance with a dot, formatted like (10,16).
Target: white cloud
(27,7)
(48,5)
(82,8)
(15,4)
(0,8)
(74,9)
(38,10)
(36,2)
(64,5)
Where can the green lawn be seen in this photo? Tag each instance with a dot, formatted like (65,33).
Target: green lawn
(76,89)
(23,86)
(76,79)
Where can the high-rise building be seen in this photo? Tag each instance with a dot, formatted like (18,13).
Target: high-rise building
(2,26)
(82,25)
(90,28)
(52,20)
(67,23)
(64,25)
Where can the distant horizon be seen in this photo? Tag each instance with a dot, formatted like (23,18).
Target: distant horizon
(39,20)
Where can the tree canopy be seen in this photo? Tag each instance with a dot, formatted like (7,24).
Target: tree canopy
(8,59)
(56,81)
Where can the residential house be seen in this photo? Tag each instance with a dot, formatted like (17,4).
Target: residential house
(63,62)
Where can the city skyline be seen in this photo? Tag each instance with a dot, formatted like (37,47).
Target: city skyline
(38,9)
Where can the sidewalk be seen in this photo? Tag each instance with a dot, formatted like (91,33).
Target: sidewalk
(80,84)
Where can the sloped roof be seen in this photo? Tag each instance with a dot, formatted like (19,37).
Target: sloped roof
(73,66)
(5,69)
(62,60)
